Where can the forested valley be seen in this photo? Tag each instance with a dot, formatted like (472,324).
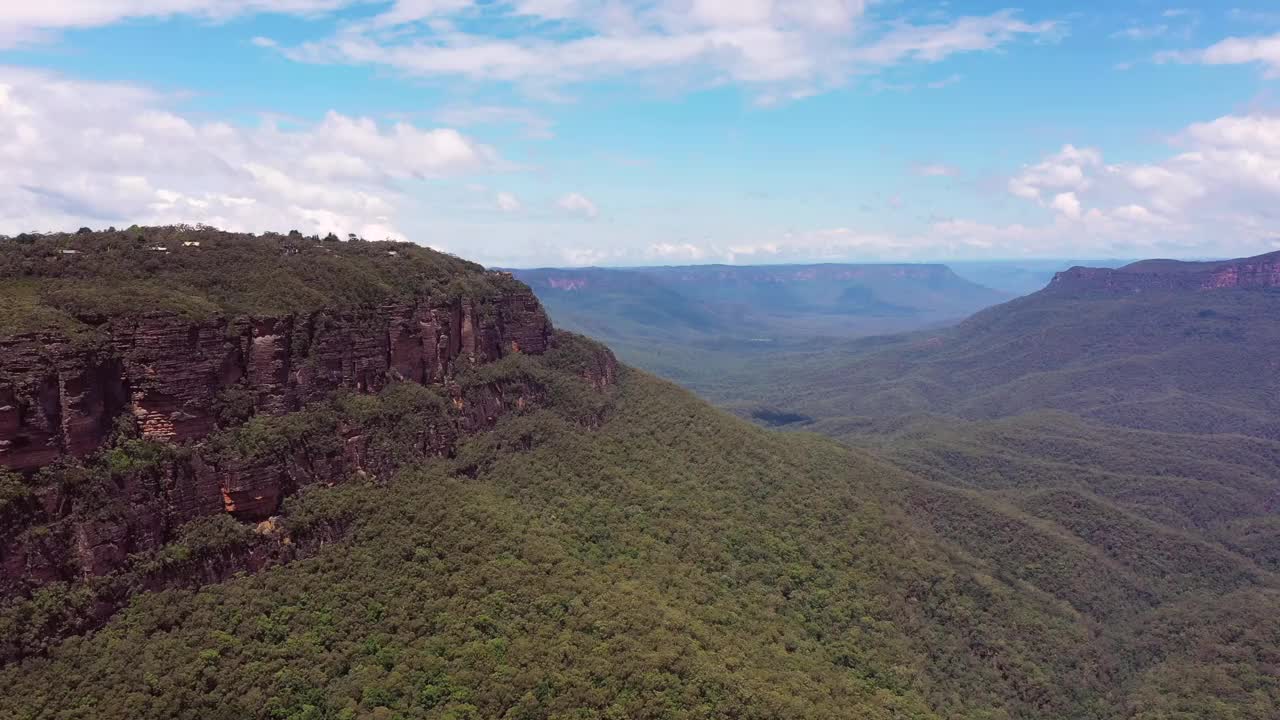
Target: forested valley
(1063,507)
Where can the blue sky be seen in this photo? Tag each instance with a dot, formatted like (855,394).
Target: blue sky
(562,132)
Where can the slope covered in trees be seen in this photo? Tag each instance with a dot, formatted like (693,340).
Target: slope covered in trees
(610,546)
(675,562)
(1172,361)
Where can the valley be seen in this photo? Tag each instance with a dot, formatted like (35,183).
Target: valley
(695,324)
(412,495)
(639,360)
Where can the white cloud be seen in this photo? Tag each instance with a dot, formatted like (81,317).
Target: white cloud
(1220,189)
(578,204)
(932,43)
(1216,193)
(1254,131)
(79,153)
(585,256)
(31,21)
(1068,169)
(1263,50)
(677,251)
(825,244)
(1068,204)
(1138,214)
(782,49)
(508,203)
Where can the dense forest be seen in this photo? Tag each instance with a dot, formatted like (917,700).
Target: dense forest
(968,537)
(676,562)
(1170,361)
(61,280)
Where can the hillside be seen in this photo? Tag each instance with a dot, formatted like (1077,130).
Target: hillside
(524,529)
(1132,414)
(1182,348)
(673,562)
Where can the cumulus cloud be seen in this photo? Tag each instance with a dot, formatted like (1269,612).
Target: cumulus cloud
(90,153)
(1067,203)
(578,204)
(782,49)
(1222,186)
(1068,169)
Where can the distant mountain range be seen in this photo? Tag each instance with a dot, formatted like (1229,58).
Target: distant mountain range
(689,323)
(1021,277)
(755,301)
(1161,345)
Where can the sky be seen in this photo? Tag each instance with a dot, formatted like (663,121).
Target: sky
(641,132)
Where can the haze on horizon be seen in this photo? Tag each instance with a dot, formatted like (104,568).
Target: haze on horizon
(528,133)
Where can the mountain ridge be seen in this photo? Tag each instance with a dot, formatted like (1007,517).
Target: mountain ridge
(601,543)
(1261,271)
(129,425)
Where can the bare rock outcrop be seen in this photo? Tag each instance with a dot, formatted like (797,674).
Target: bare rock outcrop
(1148,276)
(181,378)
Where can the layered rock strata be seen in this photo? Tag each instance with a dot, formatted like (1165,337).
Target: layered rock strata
(181,379)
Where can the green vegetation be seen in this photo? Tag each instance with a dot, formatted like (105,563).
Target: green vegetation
(1182,363)
(1119,454)
(62,281)
(1063,508)
(673,563)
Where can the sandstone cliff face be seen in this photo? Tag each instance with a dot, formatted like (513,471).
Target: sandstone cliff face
(1170,276)
(176,376)
(170,373)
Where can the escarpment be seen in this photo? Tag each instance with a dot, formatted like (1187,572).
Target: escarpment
(173,374)
(1262,271)
(117,435)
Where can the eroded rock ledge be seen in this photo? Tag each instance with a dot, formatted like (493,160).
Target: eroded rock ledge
(183,380)
(1262,271)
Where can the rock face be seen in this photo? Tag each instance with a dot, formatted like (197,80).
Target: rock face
(179,378)
(1262,271)
(172,374)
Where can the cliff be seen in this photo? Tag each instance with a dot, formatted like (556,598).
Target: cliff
(124,428)
(1262,271)
(57,398)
